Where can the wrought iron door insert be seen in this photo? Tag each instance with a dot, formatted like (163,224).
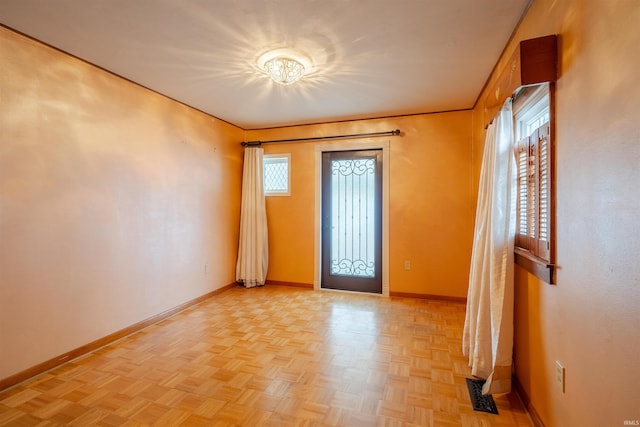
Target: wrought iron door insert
(352,220)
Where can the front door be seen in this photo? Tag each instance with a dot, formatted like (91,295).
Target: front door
(352,220)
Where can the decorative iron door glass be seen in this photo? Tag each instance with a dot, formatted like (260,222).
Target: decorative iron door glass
(352,220)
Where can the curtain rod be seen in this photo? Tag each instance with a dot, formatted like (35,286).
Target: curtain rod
(356,135)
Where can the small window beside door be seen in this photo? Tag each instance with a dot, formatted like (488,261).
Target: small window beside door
(535,215)
(277,174)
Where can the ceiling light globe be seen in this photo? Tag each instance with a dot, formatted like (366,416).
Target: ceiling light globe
(284,70)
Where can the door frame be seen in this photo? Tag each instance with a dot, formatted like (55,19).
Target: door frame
(383,145)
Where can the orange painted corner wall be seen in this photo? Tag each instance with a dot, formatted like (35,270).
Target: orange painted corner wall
(113,199)
(430,198)
(590,320)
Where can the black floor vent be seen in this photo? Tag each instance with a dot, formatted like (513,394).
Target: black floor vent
(479,401)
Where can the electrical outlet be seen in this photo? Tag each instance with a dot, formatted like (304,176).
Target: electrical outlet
(407,264)
(206,268)
(560,375)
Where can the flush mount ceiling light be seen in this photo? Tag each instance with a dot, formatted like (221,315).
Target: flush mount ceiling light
(284,70)
(284,66)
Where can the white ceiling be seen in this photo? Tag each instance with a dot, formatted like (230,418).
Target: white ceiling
(371,58)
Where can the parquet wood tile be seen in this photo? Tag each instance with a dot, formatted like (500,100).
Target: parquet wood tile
(271,356)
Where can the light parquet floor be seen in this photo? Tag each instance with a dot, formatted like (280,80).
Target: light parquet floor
(272,356)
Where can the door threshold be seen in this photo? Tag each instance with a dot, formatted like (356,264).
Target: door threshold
(351,292)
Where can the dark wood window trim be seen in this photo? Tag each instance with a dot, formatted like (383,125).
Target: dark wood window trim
(540,268)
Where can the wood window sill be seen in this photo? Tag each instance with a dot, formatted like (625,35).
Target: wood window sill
(540,268)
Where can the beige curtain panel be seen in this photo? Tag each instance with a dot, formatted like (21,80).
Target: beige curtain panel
(253,251)
(488,328)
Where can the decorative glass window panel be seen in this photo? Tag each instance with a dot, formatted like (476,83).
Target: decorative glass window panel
(276,174)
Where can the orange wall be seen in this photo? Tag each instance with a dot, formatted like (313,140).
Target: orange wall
(590,321)
(112,199)
(431,201)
